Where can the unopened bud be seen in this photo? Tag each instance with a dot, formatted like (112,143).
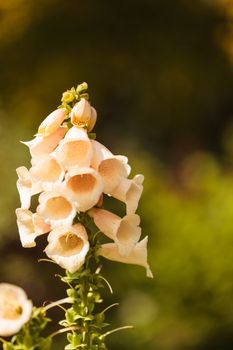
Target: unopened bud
(68,96)
(81,114)
(92,120)
(82,87)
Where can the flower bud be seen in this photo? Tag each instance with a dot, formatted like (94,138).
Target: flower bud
(68,96)
(81,114)
(92,120)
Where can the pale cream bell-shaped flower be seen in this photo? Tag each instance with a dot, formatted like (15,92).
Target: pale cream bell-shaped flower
(112,168)
(81,113)
(15,309)
(138,255)
(52,122)
(56,209)
(30,226)
(26,186)
(41,146)
(47,172)
(75,150)
(84,186)
(68,246)
(124,231)
(129,192)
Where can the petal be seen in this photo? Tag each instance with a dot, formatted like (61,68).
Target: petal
(129,192)
(41,146)
(47,172)
(68,246)
(52,122)
(138,255)
(30,226)
(15,309)
(81,113)
(106,221)
(75,150)
(111,168)
(56,209)
(84,186)
(92,120)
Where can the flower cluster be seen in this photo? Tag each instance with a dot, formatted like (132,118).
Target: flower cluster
(71,172)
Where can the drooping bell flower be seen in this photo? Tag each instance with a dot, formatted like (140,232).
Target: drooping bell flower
(111,168)
(138,255)
(30,226)
(124,231)
(84,186)
(56,209)
(129,192)
(26,186)
(68,246)
(15,309)
(75,150)
(83,115)
(52,122)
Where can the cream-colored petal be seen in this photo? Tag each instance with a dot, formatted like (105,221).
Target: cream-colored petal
(15,309)
(106,221)
(26,186)
(41,146)
(56,209)
(75,150)
(30,226)
(92,120)
(124,231)
(68,246)
(47,172)
(111,168)
(138,255)
(84,186)
(81,113)
(129,192)
(52,122)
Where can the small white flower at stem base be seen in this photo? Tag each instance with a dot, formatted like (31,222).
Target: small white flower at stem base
(30,226)
(84,186)
(56,209)
(112,168)
(26,186)
(44,145)
(75,150)
(138,255)
(68,246)
(48,172)
(129,192)
(15,309)
(124,231)
(52,122)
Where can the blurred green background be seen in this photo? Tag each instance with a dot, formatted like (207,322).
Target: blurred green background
(160,75)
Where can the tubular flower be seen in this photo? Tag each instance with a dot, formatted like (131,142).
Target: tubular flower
(47,172)
(43,145)
(129,192)
(124,231)
(52,122)
(111,168)
(138,255)
(75,150)
(84,186)
(15,309)
(30,226)
(26,186)
(68,246)
(56,209)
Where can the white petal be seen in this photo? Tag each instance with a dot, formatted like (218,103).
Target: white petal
(124,231)
(56,209)
(41,146)
(75,150)
(129,192)
(26,187)
(52,122)
(15,309)
(30,226)
(111,168)
(81,113)
(138,255)
(84,186)
(47,172)
(68,246)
